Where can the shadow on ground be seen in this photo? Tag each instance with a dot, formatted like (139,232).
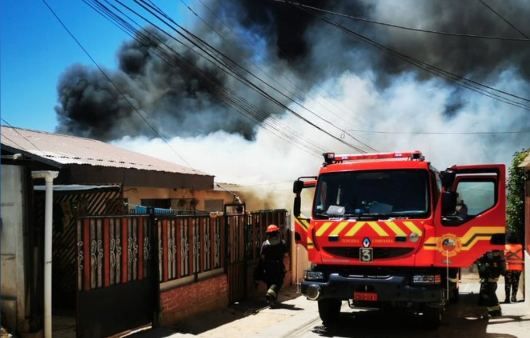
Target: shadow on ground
(465,319)
(211,320)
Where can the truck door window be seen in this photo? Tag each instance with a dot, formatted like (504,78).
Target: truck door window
(473,198)
(477,196)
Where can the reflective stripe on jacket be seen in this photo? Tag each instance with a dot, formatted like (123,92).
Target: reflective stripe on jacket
(514,257)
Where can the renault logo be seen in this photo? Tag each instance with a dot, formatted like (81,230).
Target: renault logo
(366,242)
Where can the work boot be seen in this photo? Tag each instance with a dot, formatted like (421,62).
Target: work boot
(507,300)
(514,299)
(271,297)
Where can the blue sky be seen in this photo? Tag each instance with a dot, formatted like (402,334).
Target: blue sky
(36,50)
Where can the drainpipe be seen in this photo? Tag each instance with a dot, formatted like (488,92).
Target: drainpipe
(48,218)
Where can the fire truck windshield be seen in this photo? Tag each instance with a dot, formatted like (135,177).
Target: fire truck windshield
(373,194)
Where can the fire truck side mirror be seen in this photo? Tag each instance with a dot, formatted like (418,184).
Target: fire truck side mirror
(297,205)
(448,202)
(448,178)
(298,186)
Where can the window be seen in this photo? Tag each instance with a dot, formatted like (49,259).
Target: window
(213,205)
(372,194)
(162,203)
(477,196)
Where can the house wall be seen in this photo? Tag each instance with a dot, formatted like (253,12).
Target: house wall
(134,195)
(12,247)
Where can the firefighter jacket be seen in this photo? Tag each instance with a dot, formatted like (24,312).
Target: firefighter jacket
(273,253)
(514,257)
(491,265)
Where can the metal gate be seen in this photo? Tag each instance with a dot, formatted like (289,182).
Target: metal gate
(245,232)
(235,221)
(116,283)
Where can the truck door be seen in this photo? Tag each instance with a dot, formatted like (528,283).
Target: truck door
(475,221)
(304,189)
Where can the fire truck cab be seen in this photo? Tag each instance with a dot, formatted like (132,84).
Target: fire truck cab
(390,230)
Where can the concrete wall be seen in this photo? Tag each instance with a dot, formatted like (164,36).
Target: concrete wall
(12,247)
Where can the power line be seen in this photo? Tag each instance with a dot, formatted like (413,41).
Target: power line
(230,97)
(174,59)
(113,84)
(247,82)
(281,73)
(441,133)
(503,19)
(455,78)
(527,39)
(25,138)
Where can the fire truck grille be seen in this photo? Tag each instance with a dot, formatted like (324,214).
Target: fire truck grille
(379,253)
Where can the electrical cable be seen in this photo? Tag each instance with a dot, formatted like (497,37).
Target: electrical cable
(457,79)
(114,85)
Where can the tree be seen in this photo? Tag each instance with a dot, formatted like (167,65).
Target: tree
(516,194)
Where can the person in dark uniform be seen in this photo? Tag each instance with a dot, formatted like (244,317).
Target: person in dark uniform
(273,251)
(491,266)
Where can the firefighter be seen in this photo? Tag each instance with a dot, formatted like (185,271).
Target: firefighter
(514,266)
(273,251)
(490,266)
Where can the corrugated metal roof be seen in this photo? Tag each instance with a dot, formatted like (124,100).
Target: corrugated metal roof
(67,150)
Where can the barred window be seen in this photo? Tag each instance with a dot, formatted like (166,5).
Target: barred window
(213,205)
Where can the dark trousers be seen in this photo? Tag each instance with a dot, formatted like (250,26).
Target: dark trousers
(488,297)
(511,283)
(273,277)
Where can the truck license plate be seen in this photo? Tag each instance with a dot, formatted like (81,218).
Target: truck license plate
(365,296)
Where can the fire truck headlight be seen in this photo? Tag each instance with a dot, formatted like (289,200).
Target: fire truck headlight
(426,279)
(313,275)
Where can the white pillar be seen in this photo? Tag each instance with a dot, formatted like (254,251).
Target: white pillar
(48,176)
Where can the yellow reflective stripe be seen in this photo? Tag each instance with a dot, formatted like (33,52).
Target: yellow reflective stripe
(339,228)
(323,228)
(481,230)
(309,243)
(469,246)
(377,228)
(412,227)
(397,230)
(303,223)
(355,228)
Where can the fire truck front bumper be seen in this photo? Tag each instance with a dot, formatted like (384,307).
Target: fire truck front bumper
(372,289)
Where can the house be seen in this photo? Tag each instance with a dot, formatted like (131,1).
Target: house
(144,180)
(132,236)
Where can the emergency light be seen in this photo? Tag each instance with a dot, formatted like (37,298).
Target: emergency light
(331,158)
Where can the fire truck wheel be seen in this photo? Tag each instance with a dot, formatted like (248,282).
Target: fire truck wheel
(432,317)
(329,310)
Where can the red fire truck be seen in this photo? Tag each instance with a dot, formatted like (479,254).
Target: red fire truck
(390,230)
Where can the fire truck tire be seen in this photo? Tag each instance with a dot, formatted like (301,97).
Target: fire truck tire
(329,310)
(432,317)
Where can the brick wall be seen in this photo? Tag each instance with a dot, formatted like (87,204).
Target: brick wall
(192,299)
